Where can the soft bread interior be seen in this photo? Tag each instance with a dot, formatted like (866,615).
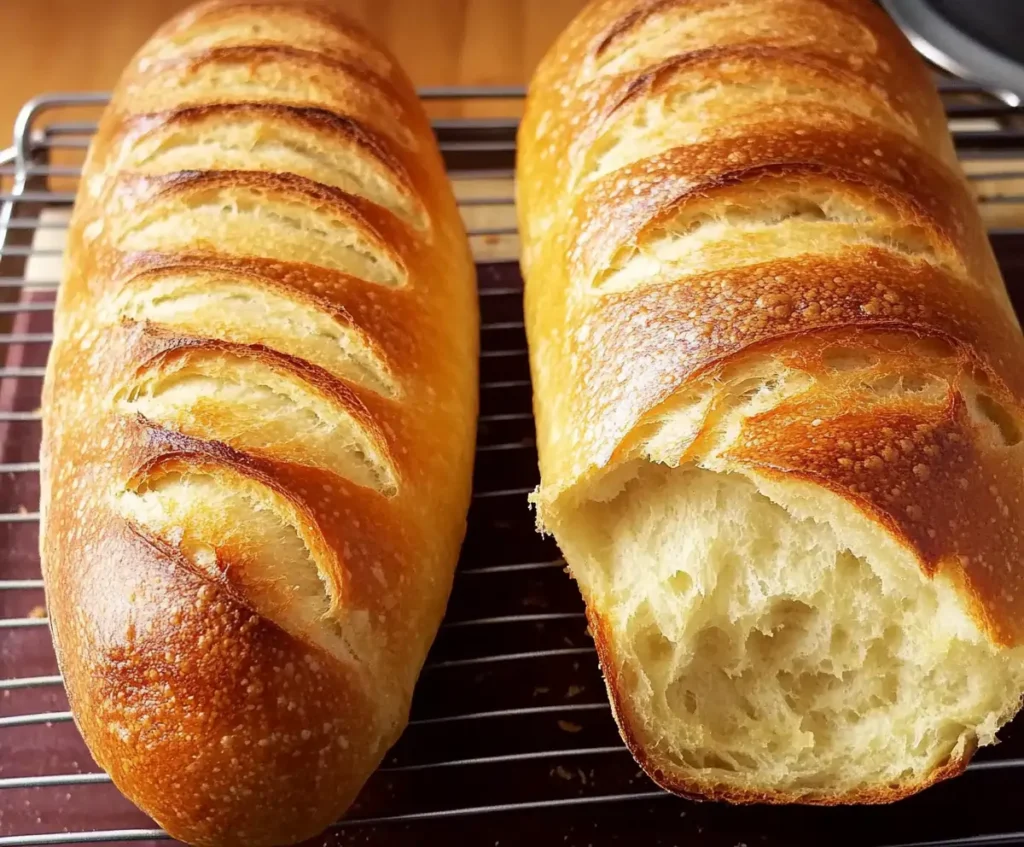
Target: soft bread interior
(767,637)
(767,641)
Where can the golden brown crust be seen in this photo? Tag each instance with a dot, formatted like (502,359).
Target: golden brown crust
(200,706)
(664,119)
(136,199)
(310,24)
(693,324)
(394,162)
(889,76)
(150,349)
(380,330)
(740,62)
(225,713)
(278,73)
(902,183)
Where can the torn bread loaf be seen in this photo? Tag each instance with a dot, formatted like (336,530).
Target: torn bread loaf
(258,423)
(778,388)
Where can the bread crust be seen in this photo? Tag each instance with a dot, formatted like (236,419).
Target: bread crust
(223,705)
(843,111)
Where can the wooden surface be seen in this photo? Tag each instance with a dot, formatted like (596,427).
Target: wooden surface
(53,45)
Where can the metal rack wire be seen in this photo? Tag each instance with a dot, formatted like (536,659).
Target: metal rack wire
(511,734)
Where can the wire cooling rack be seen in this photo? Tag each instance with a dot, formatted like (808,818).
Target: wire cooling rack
(511,739)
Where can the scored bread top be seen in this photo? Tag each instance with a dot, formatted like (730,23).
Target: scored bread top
(702,182)
(259,420)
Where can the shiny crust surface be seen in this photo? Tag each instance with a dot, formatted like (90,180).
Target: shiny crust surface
(805,98)
(263,218)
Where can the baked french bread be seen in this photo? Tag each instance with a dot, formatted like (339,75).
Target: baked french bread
(259,421)
(778,388)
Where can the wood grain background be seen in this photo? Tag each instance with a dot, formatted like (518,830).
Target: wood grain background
(61,45)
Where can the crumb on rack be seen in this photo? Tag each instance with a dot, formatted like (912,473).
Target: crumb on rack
(562,772)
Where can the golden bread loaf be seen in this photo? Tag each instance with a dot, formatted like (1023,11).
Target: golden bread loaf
(778,387)
(259,420)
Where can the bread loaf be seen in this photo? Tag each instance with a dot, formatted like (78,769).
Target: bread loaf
(778,388)
(258,422)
